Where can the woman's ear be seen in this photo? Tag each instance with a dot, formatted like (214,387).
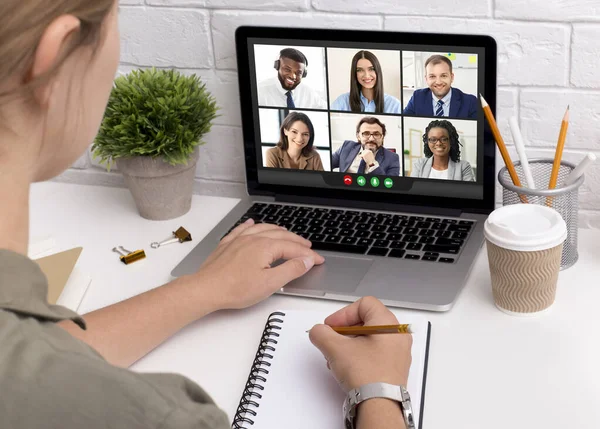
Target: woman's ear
(53,44)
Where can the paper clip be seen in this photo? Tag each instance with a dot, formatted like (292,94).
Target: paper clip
(127,256)
(180,236)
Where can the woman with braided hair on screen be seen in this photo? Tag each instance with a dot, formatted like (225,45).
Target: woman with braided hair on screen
(441,147)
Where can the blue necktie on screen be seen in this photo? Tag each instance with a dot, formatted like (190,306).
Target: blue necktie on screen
(290,100)
(439,108)
(361,167)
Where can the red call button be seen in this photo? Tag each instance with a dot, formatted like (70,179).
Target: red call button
(347,180)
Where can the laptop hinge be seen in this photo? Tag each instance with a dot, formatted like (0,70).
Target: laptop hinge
(332,202)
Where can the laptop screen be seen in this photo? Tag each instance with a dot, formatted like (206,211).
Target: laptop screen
(376,117)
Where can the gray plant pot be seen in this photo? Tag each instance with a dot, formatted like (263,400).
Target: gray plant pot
(160,190)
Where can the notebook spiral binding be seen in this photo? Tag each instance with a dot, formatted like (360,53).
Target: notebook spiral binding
(257,377)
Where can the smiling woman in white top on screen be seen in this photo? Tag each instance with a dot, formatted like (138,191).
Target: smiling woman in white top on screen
(366,88)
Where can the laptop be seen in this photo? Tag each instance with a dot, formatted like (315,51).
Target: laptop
(346,144)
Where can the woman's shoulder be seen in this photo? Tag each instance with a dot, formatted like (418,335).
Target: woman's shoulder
(314,160)
(313,154)
(466,171)
(274,156)
(418,166)
(391,104)
(341,101)
(274,151)
(419,162)
(461,164)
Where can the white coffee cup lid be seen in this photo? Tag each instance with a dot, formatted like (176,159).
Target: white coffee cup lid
(525,227)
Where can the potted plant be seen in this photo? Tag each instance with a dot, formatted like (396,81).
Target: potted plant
(152,128)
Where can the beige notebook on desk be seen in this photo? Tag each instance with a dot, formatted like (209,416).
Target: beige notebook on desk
(290,387)
(58,268)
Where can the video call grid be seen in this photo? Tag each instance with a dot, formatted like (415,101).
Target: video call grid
(331,107)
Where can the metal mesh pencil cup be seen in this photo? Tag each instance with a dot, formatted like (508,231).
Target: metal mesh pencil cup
(563,199)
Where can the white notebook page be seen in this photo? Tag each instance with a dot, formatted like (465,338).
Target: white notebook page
(300,392)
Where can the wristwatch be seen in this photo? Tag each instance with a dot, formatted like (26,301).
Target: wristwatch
(378,390)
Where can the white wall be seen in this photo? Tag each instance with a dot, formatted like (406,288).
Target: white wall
(548,57)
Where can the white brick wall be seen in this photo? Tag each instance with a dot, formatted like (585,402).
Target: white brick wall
(548,57)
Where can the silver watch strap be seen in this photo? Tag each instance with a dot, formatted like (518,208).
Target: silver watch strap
(378,390)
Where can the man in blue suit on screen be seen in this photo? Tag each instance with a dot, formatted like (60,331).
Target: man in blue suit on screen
(367,155)
(440,99)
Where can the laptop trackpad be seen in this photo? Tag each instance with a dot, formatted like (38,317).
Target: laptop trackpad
(336,274)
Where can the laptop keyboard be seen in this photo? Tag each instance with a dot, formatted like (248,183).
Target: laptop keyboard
(407,236)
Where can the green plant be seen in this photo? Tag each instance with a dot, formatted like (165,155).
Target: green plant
(155,113)
(406,152)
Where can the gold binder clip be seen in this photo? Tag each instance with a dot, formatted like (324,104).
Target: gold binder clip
(180,236)
(127,256)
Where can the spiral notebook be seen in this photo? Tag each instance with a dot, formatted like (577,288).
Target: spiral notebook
(290,386)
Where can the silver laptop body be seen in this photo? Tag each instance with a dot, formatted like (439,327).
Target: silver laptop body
(421,279)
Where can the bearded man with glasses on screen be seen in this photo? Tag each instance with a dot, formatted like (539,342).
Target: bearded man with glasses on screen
(367,155)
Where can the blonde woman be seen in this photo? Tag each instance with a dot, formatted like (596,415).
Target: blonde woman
(57,368)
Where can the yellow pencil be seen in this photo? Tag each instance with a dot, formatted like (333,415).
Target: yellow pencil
(501,146)
(372,330)
(562,136)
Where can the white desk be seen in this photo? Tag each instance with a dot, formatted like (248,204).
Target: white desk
(486,369)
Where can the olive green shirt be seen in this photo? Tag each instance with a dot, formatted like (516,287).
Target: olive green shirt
(49,379)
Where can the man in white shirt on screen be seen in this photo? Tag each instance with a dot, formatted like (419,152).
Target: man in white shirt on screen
(285,89)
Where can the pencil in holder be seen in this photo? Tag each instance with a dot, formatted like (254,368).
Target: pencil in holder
(563,199)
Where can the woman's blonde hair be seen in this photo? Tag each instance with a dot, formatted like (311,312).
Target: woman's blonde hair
(23,22)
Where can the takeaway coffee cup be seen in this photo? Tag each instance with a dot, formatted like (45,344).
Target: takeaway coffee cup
(524,244)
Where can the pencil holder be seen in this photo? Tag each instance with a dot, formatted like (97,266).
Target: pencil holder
(564,199)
